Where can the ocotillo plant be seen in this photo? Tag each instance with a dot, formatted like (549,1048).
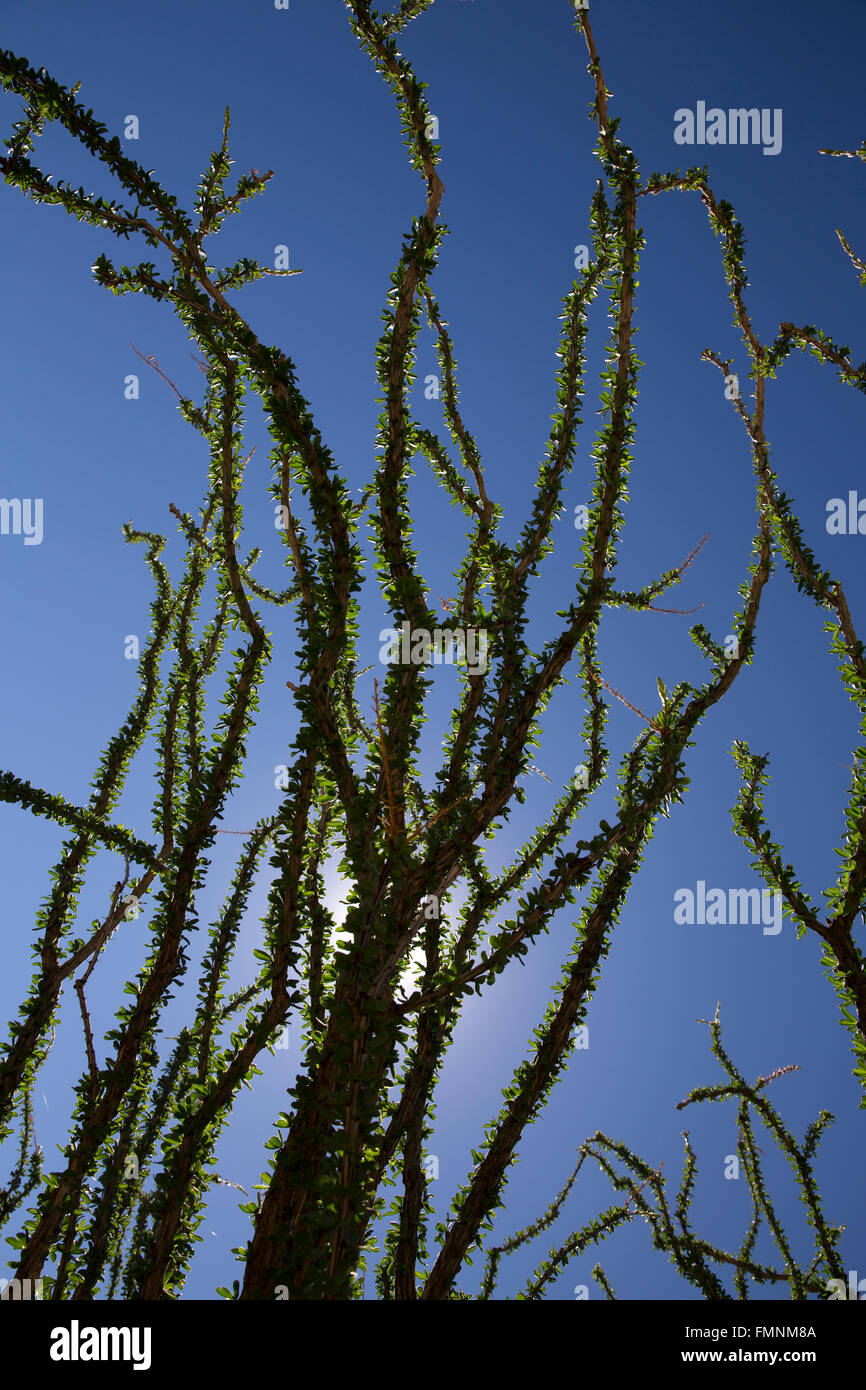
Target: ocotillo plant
(121,1216)
(692,1256)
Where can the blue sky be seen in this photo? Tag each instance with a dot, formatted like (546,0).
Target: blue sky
(508,83)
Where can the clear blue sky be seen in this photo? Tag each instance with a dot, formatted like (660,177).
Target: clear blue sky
(508,82)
